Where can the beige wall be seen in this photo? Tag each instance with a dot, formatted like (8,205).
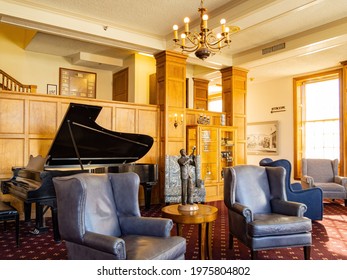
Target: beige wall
(261,97)
(144,67)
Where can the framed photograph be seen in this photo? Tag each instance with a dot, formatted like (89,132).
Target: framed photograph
(262,138)
(77,83)
(52,89)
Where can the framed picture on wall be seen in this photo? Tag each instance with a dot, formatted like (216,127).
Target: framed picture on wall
(52,89)
(77,83)
(262,138)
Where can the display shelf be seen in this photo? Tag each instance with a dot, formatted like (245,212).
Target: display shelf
(216,146)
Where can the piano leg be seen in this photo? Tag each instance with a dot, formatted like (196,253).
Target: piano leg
(148,194)
(41,209)
(40,221)
(27,212)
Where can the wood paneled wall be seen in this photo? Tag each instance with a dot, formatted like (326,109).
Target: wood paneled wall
(28,124)
(234,95)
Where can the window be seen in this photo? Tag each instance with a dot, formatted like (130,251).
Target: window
(316,118)
(321,123)
(215,98)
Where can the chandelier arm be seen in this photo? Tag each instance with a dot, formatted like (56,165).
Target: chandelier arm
(187,48)
(213,44)
(194,38)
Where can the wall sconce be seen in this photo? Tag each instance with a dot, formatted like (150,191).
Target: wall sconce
(176,123)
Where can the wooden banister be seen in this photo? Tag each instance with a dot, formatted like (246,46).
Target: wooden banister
(9,83)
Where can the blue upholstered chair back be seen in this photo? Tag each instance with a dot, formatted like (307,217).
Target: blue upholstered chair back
(283,163)
(96,203)
(253,188)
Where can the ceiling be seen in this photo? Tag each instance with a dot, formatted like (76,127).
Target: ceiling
(100,34)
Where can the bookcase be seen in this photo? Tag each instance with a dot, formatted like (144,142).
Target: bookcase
(216,146)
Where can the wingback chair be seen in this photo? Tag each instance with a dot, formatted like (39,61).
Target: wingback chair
(99,218)
(172,190)
(259,215)
(323,173)
(313,198)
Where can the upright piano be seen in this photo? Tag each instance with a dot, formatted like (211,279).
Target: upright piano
(80,145)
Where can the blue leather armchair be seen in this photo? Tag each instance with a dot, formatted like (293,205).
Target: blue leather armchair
(313,198)
(99,219)
(259,214)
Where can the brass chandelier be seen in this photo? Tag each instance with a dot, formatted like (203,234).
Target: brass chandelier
(205,42)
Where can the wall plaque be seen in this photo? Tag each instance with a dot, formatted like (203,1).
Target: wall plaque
(77,83)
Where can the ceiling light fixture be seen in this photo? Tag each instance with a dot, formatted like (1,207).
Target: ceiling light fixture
(205,42)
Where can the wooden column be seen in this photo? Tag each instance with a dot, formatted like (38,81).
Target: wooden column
(234,96)
(343,122)
(171,96)
(200,94)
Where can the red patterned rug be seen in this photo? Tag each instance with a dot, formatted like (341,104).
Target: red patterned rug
(329,239)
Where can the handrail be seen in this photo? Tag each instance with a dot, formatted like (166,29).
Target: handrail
(9,83)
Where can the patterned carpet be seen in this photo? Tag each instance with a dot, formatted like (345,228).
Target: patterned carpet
(329,239)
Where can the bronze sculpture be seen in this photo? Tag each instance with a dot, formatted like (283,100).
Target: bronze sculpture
(187,184)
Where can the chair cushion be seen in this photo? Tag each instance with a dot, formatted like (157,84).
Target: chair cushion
(276,224)
(6,209)
(330,187)
(154,248)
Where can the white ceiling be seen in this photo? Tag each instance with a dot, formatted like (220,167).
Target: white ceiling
(102,33)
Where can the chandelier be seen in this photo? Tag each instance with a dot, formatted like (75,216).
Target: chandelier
(205,42)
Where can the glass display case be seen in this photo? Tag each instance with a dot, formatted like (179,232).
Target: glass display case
(216,146)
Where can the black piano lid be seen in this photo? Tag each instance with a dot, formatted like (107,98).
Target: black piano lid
(81,141)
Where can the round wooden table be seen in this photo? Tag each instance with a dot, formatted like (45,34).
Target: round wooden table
(203,217)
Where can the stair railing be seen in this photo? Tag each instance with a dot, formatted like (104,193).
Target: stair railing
(9,83)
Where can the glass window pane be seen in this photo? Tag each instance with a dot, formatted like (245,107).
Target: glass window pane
(322,100)
(322,126)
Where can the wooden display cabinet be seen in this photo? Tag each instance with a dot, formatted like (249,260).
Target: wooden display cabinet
(216,146)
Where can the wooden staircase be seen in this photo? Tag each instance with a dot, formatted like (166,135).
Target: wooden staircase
(11,84)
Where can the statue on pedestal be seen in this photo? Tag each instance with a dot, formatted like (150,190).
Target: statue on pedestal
(186,181)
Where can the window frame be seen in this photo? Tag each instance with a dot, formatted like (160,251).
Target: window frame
(298,122)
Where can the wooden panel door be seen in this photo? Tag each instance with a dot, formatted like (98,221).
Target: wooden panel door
(120,85)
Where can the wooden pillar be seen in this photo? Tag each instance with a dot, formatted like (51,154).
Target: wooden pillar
(343,122)
(201,94)
(234,96)
(171,96)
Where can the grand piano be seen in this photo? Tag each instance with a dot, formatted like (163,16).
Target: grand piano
(80,145)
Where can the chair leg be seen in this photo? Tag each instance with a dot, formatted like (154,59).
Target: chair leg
(307,252)
(17,229)
(346,202)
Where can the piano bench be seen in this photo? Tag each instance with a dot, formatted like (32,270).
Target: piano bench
(9,213)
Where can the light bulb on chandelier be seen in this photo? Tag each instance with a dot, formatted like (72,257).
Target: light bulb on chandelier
(205,42)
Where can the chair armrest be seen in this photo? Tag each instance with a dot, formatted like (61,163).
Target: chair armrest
(341,180)
(242,210)
(149,226)
(296,186)
(106,243)
(307,182)
(289,208)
